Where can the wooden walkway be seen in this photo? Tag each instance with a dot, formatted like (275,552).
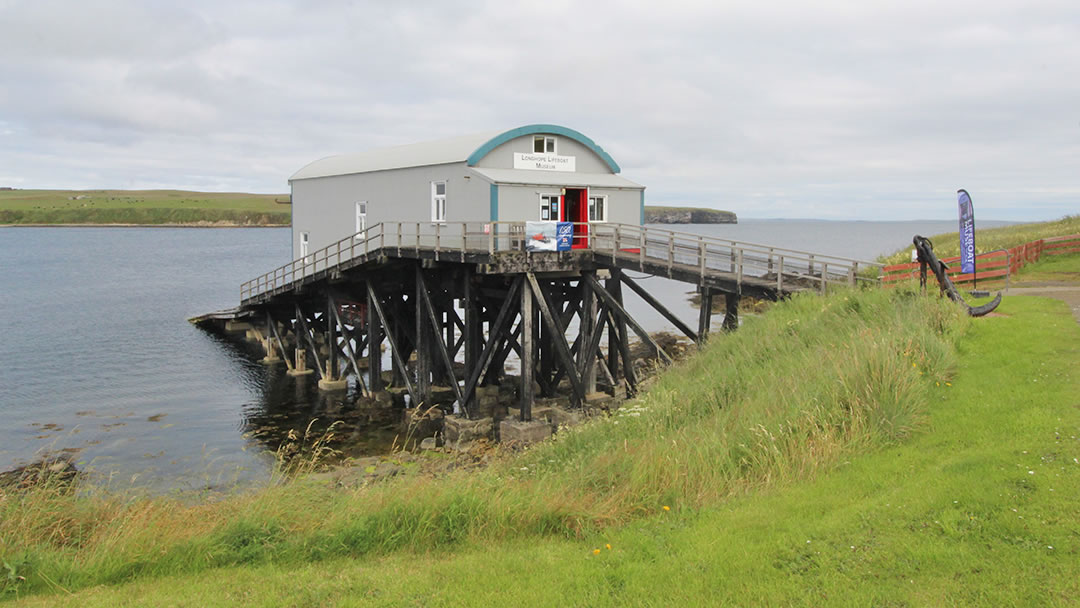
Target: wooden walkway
(451,302)
(724,265)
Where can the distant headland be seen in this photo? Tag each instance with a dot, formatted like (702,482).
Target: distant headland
(141,208)
(688,215)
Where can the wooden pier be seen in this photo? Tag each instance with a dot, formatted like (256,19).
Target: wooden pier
(453,301)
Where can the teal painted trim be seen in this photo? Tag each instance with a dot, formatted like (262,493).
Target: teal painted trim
(494,203)
(642,206)
(498,140)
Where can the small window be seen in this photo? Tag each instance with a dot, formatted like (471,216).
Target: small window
(304,237)
(361,219)
(549,207)
(598,208)
(438,201)
(544,144)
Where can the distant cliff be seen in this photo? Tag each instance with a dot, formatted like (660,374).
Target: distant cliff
(688,215)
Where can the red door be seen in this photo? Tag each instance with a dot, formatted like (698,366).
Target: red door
(578,212)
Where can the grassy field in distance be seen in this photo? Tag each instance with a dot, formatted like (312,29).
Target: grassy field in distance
(154,207)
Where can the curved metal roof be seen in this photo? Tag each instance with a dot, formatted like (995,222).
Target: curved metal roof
(469,149)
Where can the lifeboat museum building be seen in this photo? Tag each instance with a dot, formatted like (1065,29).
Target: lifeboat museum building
(531,173)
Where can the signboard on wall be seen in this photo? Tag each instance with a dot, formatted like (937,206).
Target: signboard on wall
(536,161)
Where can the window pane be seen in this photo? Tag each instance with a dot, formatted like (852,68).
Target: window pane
(538,144)
(550,144)
(440,188)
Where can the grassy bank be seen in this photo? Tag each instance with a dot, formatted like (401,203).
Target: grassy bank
(793,394)
(978,508)
(154,207)
(992,239)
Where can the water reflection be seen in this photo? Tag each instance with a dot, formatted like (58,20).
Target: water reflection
(287,405)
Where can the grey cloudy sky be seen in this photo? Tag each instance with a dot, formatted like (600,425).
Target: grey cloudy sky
(835,110)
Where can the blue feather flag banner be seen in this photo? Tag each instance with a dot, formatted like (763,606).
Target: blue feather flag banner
(967,232)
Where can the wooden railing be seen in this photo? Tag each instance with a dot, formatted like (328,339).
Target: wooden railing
(654,249)
(990,266)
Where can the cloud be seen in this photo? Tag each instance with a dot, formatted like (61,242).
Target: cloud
(833,109)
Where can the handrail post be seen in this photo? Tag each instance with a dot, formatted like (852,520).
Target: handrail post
(739,268)
(701,259)
(824,277)
(491,238)
(464,238)
(780,275)
(810,271)
(641,249)
(770,259)
(615,245)
(399,239)
(438,239)
(417,239)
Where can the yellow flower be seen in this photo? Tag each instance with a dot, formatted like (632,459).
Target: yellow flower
(913,364)
(608,546)
(596,551)
(667,508)
(948,384)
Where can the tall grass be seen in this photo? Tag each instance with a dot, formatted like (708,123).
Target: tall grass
(992,239)
(788,395)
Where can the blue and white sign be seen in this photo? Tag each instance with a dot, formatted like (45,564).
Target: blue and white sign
(565,236)
(967,232)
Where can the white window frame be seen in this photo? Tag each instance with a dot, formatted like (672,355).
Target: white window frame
(305,241)
(438,202)
(360,208)
(546,199)
(604,205)
(546,138)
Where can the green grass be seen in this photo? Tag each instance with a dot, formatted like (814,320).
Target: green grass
(978,509)
(140,207)
(829,420)
(992,239)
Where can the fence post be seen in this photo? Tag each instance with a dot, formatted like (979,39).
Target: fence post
(780,274)
(824,277)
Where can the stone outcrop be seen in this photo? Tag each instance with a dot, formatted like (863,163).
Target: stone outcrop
(688,215)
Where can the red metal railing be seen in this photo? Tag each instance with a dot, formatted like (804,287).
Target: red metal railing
(993,265)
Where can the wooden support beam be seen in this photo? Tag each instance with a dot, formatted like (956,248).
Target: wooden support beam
(471,331)
(308,338)
(561,348)
(374,342)
(731,311)
(623,348)
(347,344)
(331,339)
(527,343)
(423,349)
(496,329)
(704,315)
(623,315)
(588,329)
(444,352)
(614,287)
(587,357)
(395,351)
(660,308)
(603,366)
(277,338)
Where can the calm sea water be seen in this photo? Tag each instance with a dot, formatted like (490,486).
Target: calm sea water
(97,358)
